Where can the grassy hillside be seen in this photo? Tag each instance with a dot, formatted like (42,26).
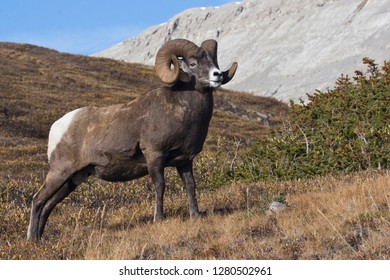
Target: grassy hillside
(103,220)
(38,85)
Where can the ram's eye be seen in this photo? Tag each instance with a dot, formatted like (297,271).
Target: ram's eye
(192,64)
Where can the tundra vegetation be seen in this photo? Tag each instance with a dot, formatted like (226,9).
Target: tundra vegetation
(340,212)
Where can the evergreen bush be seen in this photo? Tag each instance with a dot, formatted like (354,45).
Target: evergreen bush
(345,129)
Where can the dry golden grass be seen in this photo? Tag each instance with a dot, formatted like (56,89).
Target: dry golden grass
(339,218)
(348,219)
(335,217)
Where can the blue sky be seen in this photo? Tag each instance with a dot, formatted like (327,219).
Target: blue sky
(85,26)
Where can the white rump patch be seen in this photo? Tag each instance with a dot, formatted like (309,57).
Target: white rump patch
(58,129)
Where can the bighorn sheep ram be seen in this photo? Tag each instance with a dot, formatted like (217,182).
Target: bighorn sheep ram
(164,127)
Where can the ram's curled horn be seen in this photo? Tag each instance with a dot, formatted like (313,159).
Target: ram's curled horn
(211,47)
(168,54)
(228,74)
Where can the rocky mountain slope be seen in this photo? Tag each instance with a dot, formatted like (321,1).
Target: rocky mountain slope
(285,48)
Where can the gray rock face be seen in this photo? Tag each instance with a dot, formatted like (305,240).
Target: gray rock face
(284,48)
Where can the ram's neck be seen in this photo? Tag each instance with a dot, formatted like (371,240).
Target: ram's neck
(203,96)
(201,103)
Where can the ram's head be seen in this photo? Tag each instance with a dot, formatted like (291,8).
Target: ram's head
(182,60)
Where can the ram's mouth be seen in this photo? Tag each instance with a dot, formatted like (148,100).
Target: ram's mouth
(215,83)
(210,83)
(217,80)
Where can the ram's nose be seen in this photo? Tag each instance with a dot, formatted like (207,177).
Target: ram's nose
(215,75)
(217,72)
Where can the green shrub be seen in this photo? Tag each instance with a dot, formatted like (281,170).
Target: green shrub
(342,130)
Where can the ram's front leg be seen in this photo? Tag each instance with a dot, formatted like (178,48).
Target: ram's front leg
(186,174)
(155,164)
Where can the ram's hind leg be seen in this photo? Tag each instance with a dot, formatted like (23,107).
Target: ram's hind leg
(53,183)
(65,190)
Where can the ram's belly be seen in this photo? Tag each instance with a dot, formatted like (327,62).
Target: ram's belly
(121,170)
(115,172)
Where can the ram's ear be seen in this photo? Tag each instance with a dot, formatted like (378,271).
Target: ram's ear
(184,77)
